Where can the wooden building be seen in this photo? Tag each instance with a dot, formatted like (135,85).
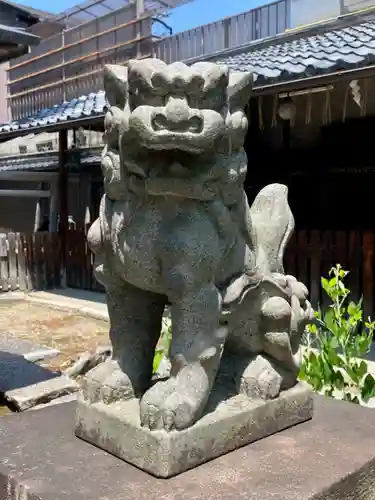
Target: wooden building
(312,118)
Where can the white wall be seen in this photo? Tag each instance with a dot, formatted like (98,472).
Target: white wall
(312,11)
(352,5)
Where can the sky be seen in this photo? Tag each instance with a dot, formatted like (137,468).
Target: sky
(182,18)
(206,11)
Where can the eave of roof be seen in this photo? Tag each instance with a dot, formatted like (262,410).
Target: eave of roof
(35,163)
(48,162)
(17,36)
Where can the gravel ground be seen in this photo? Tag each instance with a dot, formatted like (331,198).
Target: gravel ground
(66,331)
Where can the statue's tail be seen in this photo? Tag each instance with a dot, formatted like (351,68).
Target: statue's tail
(272,224)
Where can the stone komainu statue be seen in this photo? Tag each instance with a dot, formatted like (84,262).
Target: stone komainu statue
(175,228)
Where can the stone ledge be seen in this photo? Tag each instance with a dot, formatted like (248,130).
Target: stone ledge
(225,427)
(27,397)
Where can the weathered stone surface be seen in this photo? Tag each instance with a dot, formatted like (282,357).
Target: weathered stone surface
(41,354)
(87,361)
(331,457)
(16,372)
(68,398)
(40,393)
(228,424)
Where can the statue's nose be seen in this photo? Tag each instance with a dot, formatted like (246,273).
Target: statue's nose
(177,110)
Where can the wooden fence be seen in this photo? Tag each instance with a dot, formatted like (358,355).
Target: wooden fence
(311,254)
(79,264)
(33,261)
(29,262)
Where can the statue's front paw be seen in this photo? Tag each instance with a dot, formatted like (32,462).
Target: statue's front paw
(153,413)
(107,383)
(176,403)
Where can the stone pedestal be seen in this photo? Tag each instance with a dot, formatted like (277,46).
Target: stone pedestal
(228,424)
(330,457)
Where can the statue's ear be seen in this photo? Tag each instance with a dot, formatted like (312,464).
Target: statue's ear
(116,85)
(239,89)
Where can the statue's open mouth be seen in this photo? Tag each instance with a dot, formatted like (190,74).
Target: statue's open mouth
(193,125)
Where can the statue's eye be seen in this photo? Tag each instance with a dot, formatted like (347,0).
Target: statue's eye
(145,96)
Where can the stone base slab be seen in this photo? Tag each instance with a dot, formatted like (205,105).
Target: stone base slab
(226,426)
(330,457)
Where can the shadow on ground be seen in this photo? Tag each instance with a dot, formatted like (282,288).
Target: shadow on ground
(16,372)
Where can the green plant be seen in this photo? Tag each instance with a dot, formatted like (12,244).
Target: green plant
(162,348)
(341,338)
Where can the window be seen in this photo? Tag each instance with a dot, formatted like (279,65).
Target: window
(22,150)
(44,146)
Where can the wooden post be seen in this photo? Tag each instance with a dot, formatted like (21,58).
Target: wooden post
(53,208)
(38,212)
(368,273)
(84,191)
(63,201)
(38,216)
(87,219)
(140,9)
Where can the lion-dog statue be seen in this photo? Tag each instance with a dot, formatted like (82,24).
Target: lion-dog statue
(175,228)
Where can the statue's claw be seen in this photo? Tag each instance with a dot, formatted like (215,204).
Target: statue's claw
(107,383)
(177,402)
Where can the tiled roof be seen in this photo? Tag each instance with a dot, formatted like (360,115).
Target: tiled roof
(29,163)
(47,162)
(81,107)
(338,49)
(90,159)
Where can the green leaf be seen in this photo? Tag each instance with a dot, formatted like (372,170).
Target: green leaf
(316,383)
(333,342)
(363,344)
(325,285)
(311,328)
(360,369)
(338,380)
(326,369)
(332,282)
(351,371)
(368,388)
(302,375)
(157,358)
(343,273)
(329,320)
(352,308)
